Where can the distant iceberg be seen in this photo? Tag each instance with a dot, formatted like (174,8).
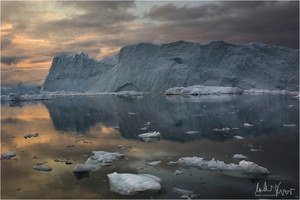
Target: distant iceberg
(129,184)
(202,90)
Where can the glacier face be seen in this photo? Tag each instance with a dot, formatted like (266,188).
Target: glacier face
(149,67)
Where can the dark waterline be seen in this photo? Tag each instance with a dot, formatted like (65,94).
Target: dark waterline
(103,122)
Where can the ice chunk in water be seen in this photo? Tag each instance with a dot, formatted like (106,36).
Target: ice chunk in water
(43,168)
(248,125)
(244,166)
(239,156)
(250,167)
(8,155)
(95,162)
(129,184)
(29,135)
(154,134)
(239,137)
(153,163)
(207,164)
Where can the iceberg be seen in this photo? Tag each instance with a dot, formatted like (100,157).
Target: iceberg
(8,155)
(203,90)
(129,184)
(147,67)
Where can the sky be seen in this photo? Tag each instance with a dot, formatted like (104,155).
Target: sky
(33,32)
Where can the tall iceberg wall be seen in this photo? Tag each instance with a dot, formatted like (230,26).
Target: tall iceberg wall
(155,68)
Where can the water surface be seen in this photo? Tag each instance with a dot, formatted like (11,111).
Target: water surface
(71,127)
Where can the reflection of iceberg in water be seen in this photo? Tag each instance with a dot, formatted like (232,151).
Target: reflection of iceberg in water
(173,117)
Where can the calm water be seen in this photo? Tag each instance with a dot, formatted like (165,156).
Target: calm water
(103,122)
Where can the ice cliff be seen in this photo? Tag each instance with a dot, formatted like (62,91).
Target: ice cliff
(155,68)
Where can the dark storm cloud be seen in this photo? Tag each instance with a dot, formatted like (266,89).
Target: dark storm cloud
(237,22)
(9,60)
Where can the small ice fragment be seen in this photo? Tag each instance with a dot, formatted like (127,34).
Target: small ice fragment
(147,123)
(177,172)
(120,146)
(254,150)
(250,167)
(235,128)
(248,125)
(225,129)
(238,137)
(8,155)
(149,136)
(239,156)
(191,132)
(43,168)
(132,113)
(182,191)
(129,184)
(289,125)
(153,163)
(29,135)
(172,163)
(290,106)
(144,128)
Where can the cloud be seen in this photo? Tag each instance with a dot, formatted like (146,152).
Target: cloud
(274,23)
(9,60)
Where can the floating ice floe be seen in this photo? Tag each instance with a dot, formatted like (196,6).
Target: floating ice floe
(243,166)
(99,159)
(177,172)
(172,163)
(248,125)
(150,136)
(289,125)
(239,156)
(238,137)
(265,91)
(251,167)
(8,155)
(129,184)
(29,135)
(225,129)
(202,90)
(192,132)
(43,168)
(254,150)
(183,192)
(153,163)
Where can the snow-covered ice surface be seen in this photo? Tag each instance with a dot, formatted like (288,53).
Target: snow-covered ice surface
(203,90)
(129,184)
(243,166)
(97,160)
